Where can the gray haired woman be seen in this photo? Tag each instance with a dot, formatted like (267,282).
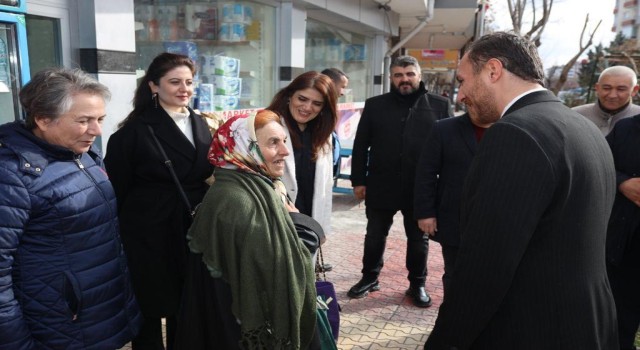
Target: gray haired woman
(64,282)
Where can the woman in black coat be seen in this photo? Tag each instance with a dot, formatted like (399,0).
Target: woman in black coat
(153,216)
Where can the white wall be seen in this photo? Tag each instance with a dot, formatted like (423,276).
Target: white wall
(109,26)
(115,25)
(122,89)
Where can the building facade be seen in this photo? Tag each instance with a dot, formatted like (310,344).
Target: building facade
(626,18)
(245,50)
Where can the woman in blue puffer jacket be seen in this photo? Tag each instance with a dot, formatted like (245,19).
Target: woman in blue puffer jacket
(64,282)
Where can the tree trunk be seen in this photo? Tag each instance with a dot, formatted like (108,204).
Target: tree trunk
(567,67)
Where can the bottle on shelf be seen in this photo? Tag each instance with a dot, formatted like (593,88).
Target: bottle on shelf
(154,30)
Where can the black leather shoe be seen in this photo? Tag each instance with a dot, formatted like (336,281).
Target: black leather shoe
(363,287)
(420,296)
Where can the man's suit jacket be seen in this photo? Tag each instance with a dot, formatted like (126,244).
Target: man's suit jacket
(530,272)
(390,136)
(442,168)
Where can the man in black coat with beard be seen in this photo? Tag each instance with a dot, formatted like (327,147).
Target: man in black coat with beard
(387,146)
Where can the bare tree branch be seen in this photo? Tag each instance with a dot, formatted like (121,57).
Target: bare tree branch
(628,50)
(537,27)
(533,18)
(631,60)
(517,9)
(567,67)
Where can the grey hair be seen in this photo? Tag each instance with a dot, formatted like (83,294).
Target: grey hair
(405,61)
(50,92)
(620,71)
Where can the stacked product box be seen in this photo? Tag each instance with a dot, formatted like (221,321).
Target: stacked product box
(221,83)
(173,22)
(234,21)
(187,48)
(205,97)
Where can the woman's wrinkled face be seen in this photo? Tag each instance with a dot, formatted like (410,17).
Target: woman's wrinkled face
(272,142)
(305,105)
(78,128)
(174,89)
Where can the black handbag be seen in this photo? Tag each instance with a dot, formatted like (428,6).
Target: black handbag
(309,231)
(169,165)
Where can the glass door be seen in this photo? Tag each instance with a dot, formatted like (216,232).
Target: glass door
(14,69)
(44,42)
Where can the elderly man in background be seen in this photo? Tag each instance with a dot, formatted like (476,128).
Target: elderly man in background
(615,89)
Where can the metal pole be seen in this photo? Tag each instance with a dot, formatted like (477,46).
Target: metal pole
(480,28)
(387,56)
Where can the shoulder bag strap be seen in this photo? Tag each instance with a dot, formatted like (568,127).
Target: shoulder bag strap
(169,165)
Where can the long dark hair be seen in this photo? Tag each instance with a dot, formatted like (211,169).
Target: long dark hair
(160,65)
(322,125)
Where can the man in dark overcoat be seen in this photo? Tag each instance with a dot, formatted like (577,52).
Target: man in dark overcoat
(388,141)
(442,168)
(530,271)
(623,234)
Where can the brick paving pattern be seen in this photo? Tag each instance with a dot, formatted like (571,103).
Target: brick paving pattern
(385,319)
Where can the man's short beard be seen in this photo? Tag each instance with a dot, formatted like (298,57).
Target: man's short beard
(400,92)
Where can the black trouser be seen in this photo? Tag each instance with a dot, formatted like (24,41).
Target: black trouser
(150,335)
(625,285)
(449,255)
(378,225)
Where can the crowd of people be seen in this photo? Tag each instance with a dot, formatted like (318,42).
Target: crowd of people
(536,207)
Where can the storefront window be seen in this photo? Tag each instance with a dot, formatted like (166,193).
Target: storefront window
(43,38)
(232,42)
(327,47)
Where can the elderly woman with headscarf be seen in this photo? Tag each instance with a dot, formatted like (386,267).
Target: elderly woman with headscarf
(262,292)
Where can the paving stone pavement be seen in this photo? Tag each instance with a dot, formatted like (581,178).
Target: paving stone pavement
(385,319)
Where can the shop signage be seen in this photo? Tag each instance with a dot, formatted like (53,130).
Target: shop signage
(435,59)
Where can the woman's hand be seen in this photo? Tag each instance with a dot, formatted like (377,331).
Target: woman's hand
(291,207)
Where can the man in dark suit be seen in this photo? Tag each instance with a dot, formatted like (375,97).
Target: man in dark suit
(442,168)
(623,234)
(386,148)
(530,271)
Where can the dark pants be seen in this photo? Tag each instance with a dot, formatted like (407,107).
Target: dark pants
(449,255)
(150,335)
(378,225)
(625,285)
